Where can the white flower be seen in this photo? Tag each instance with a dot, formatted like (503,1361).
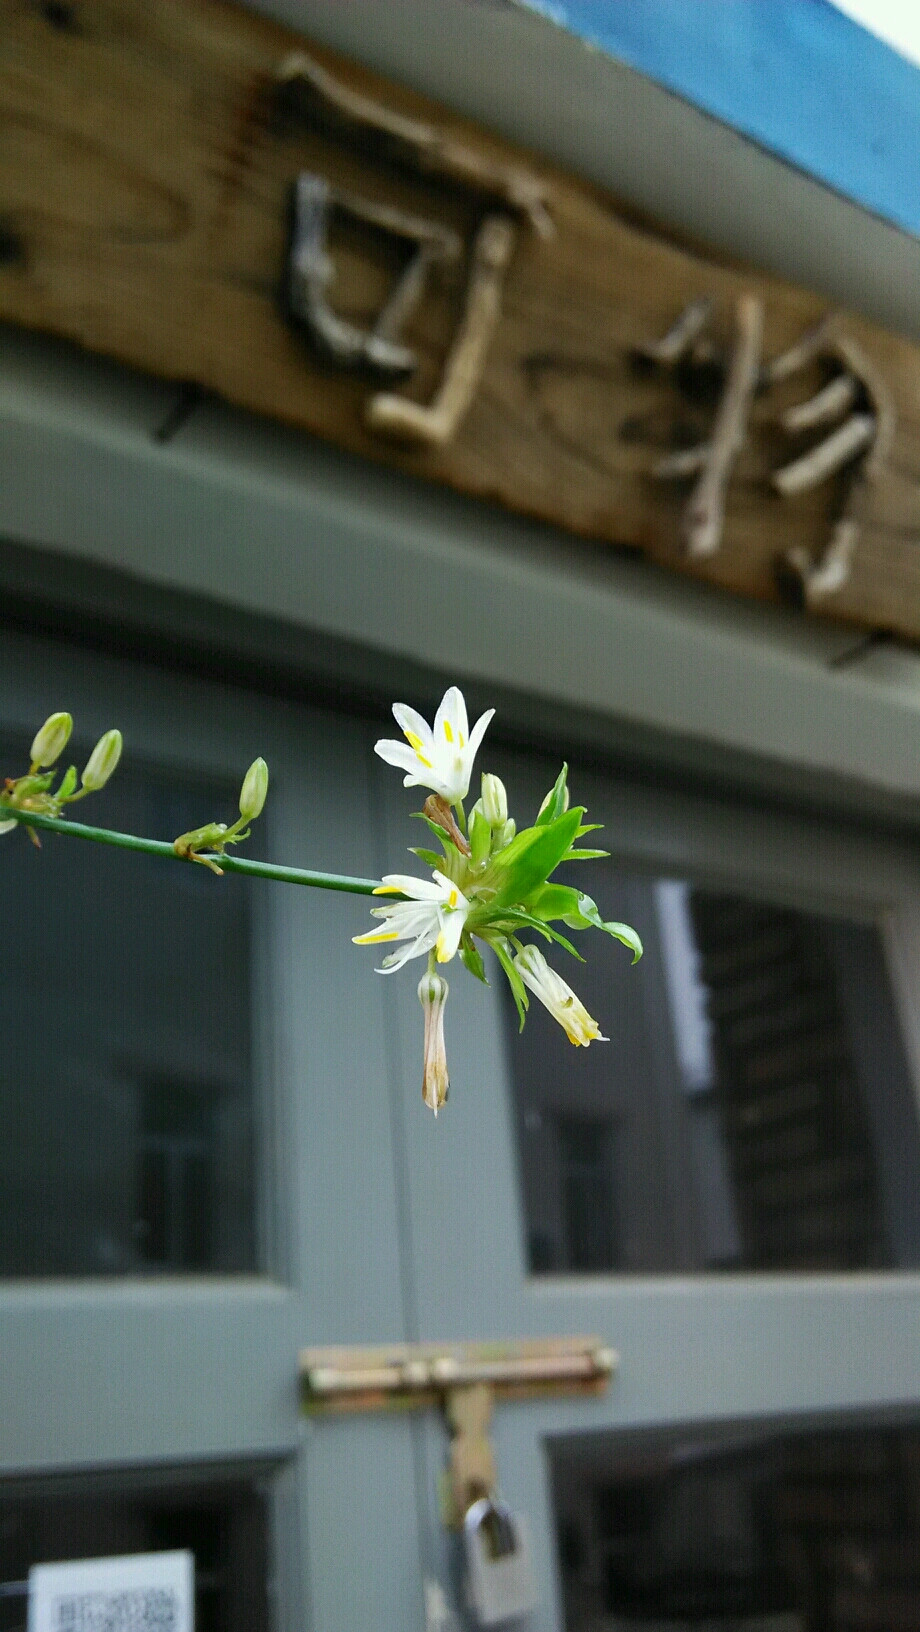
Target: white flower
(432,994)
(440,756)
(558,997)
(433,916)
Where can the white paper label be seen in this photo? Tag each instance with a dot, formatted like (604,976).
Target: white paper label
(141,1592)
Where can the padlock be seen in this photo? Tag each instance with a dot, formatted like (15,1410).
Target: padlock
(500,1582)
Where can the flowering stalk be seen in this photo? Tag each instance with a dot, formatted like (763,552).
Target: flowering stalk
(341,882)
(489,883)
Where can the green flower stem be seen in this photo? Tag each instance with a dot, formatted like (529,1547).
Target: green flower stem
(158,847)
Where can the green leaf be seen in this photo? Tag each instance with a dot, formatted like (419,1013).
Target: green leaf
(588,827)
(518,989)
(431,858)
(532,856)
(68,783)
(587,909)
(471,958)
(554,804)
(578,911)
(557,901)
(480,838)
(515,918)
(620,932)
(584,855)
(628,936)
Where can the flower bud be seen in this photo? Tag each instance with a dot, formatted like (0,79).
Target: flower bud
(52,739)
(494,800)
(548,800)
(432,994)
(254,790)
(102,761)
(506,835)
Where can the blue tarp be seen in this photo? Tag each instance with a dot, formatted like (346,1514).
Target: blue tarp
(797,76)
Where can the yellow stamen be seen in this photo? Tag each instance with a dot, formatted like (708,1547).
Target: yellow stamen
(452,899)
(447,731)
(371,938)
(413,741)
(387,889)
(462,739)
(425,762)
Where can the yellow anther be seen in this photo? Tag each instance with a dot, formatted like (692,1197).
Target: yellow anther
(387,889)
(447,731)
(371,940)
(423,760)
(413,741)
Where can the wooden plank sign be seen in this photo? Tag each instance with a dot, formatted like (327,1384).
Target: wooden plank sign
(208,197)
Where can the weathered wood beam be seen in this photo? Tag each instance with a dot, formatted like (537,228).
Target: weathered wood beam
(148,156)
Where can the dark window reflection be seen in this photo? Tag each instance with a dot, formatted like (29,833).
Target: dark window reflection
(754,1109)
(788,1532)
(223,1523)
(128,1116)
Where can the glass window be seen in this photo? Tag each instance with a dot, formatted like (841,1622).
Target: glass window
(754,1110)
(738,1528)
(126,1076)
(223,1523)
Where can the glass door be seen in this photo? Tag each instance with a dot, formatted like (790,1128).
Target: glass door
(726,1193)
(197,1165)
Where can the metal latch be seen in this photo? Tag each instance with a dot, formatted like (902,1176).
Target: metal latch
(465,1380)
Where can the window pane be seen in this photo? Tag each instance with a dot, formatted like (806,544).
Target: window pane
(754,1109)
(739,1529)
(125,1077)
(223,1523)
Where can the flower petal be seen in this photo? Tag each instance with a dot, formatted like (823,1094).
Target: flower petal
(417,889)
(412,724)
(479,731)
(451,729)
(399,754)
(412,949)
(449,939)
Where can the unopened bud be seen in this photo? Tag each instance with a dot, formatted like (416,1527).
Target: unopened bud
(254,790)
(52,739)
(494,800)
(549,798)
(506,835)
(102,761)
